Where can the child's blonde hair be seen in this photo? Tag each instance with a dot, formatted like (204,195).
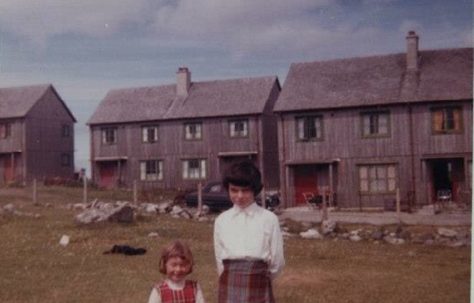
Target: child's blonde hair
(176,249)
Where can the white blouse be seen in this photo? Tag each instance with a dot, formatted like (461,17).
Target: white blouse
(249,233)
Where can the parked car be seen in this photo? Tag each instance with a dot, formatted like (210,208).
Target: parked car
(215,196)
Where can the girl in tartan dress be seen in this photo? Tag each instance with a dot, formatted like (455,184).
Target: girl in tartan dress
(176,263)
(248,244)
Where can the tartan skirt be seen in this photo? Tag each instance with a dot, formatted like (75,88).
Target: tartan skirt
(245,281)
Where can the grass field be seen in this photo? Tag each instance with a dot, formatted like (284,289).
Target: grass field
(35,268)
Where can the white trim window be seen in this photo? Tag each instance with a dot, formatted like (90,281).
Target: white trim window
(192,131)
(109,135)
(194,169)
(149,134)
(376,124)
(151,170)
(309,128)
(238,128)
(378,178)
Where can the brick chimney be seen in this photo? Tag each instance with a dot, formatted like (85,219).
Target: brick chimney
(412,51)
(183,81)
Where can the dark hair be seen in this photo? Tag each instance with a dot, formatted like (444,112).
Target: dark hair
(176,249)
(244,174)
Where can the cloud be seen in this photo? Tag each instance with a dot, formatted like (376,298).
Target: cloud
(40,20)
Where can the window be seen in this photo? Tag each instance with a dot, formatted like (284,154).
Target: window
(309,128)
(446,120)
(5,130)
(149,134)
(109,135)
(192,131)
(380,178)
(151,170)
(238,128)
(66,131)
(194,169)
(65,160)
(375,124)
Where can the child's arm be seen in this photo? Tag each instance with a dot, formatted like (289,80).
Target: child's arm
(218,247)
(154,296)
(276,250)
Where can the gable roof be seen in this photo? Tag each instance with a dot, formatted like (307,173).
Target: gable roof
(205,99)
(16,102)
(378,80)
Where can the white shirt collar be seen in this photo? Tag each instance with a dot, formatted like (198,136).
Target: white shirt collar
(249,210)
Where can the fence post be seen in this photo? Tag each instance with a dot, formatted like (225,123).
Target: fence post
(397,199)
(135,194)
(84,189)
(199,199)
(325,208)
(35,193)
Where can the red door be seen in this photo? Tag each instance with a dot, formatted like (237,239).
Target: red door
(305,181)
(8,170)
(107,174)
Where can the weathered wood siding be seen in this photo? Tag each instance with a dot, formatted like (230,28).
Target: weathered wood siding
(343,142)
(171,148)
(44,141)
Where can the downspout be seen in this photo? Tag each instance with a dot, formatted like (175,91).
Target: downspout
(283,168)
(412,156)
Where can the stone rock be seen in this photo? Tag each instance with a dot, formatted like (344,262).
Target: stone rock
(447,232)
(165,207)
(456,244)
(150,208)
(394,240)
(153,234)
(79,206)
(64,241)
(377,235)
(122,214)
(355,237)
(311,234)
(328,226)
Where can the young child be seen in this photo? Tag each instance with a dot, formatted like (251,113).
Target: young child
(176,263)
(248,243)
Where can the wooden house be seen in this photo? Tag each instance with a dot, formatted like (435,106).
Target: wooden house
(360,129)
(36,135)
(174,136)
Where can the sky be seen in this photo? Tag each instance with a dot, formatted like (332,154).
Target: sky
(87,47)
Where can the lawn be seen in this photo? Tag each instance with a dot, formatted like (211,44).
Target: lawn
(35,268)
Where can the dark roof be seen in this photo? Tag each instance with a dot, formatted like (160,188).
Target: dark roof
(16,102)
(378,80)
(205,99)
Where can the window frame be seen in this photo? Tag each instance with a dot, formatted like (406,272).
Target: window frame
(151,170)
(371,181)
(198,173)
(375,114)
(66,131)
(444,111)
(5,130)
(106,135)
(195,135)
(145,131)
(66,160)
(233,133)
(316,120)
